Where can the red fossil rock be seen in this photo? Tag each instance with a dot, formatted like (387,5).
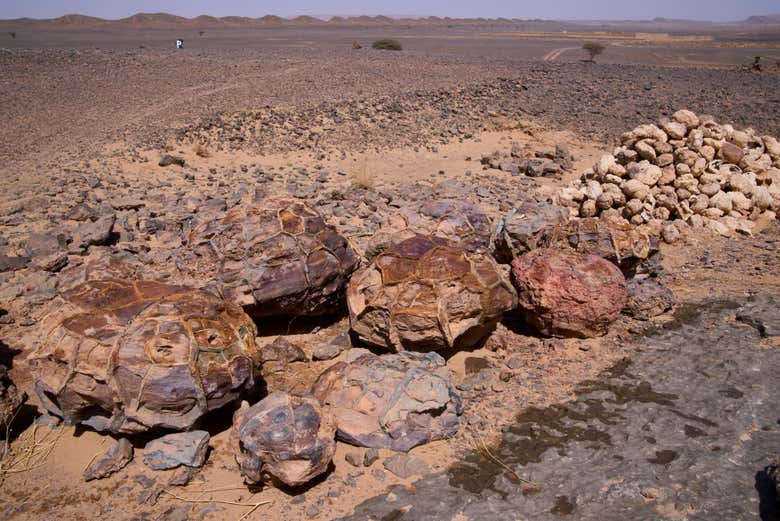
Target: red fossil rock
(131,356)
(289,437)
(568,294)
(277,257)
(425,295)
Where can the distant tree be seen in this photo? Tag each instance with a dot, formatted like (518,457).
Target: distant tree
(13,34)
(201,33)
(757,63)
(594,49)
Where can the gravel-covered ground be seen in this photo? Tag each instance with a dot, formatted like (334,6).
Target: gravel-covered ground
(680,429)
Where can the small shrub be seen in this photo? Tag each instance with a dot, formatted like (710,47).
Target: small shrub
(13,34)
(594,49)
(201,33)
(201,150)
(361,178)
(387,44)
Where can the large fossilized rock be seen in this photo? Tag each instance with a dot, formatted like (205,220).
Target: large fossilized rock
(277,257)
(459,222)
(130,356)
(621,244)
(11,400)
(527,228)
(568,294)
(393,401)
(289,437)
(424,295)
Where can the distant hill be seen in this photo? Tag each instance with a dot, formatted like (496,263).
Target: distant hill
(77,20)
(270,19)
(768,19)
(170,21)
(144,20)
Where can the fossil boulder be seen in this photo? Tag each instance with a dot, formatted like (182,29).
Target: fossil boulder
(568,294)
(621,244)
(531,226)
(459,222)
(276,257)
(288,437)
(131,356)
(11,400)
(425,295)
(393,401)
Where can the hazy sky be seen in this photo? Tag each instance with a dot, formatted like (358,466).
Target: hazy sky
(717,10)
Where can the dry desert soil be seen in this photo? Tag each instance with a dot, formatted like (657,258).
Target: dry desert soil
(672,418)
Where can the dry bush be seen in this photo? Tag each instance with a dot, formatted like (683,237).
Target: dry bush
(201,150)
(361,178)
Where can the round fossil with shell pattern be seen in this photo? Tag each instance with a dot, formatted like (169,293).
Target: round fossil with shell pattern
(132,356)
(424,294)
(274,258)
(459,222)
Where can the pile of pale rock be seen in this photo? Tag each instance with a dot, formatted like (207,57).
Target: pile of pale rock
(685,171)
(129,356)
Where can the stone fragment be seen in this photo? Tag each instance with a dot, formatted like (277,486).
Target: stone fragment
(177,449)
(648,298)
(168,160)
(731,153)
(405,466)
(687,118)
(113,460)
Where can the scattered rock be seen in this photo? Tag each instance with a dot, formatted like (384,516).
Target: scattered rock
(759,313)
(113,460)
(173,450)
(621,244)
(327,352)
(405,466)
(568,294)
(460,223)
(354,459)
(285,436)
(370,457)
(168,160)
(648,298)
(282,350)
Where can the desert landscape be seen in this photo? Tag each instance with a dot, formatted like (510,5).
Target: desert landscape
(472,272)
